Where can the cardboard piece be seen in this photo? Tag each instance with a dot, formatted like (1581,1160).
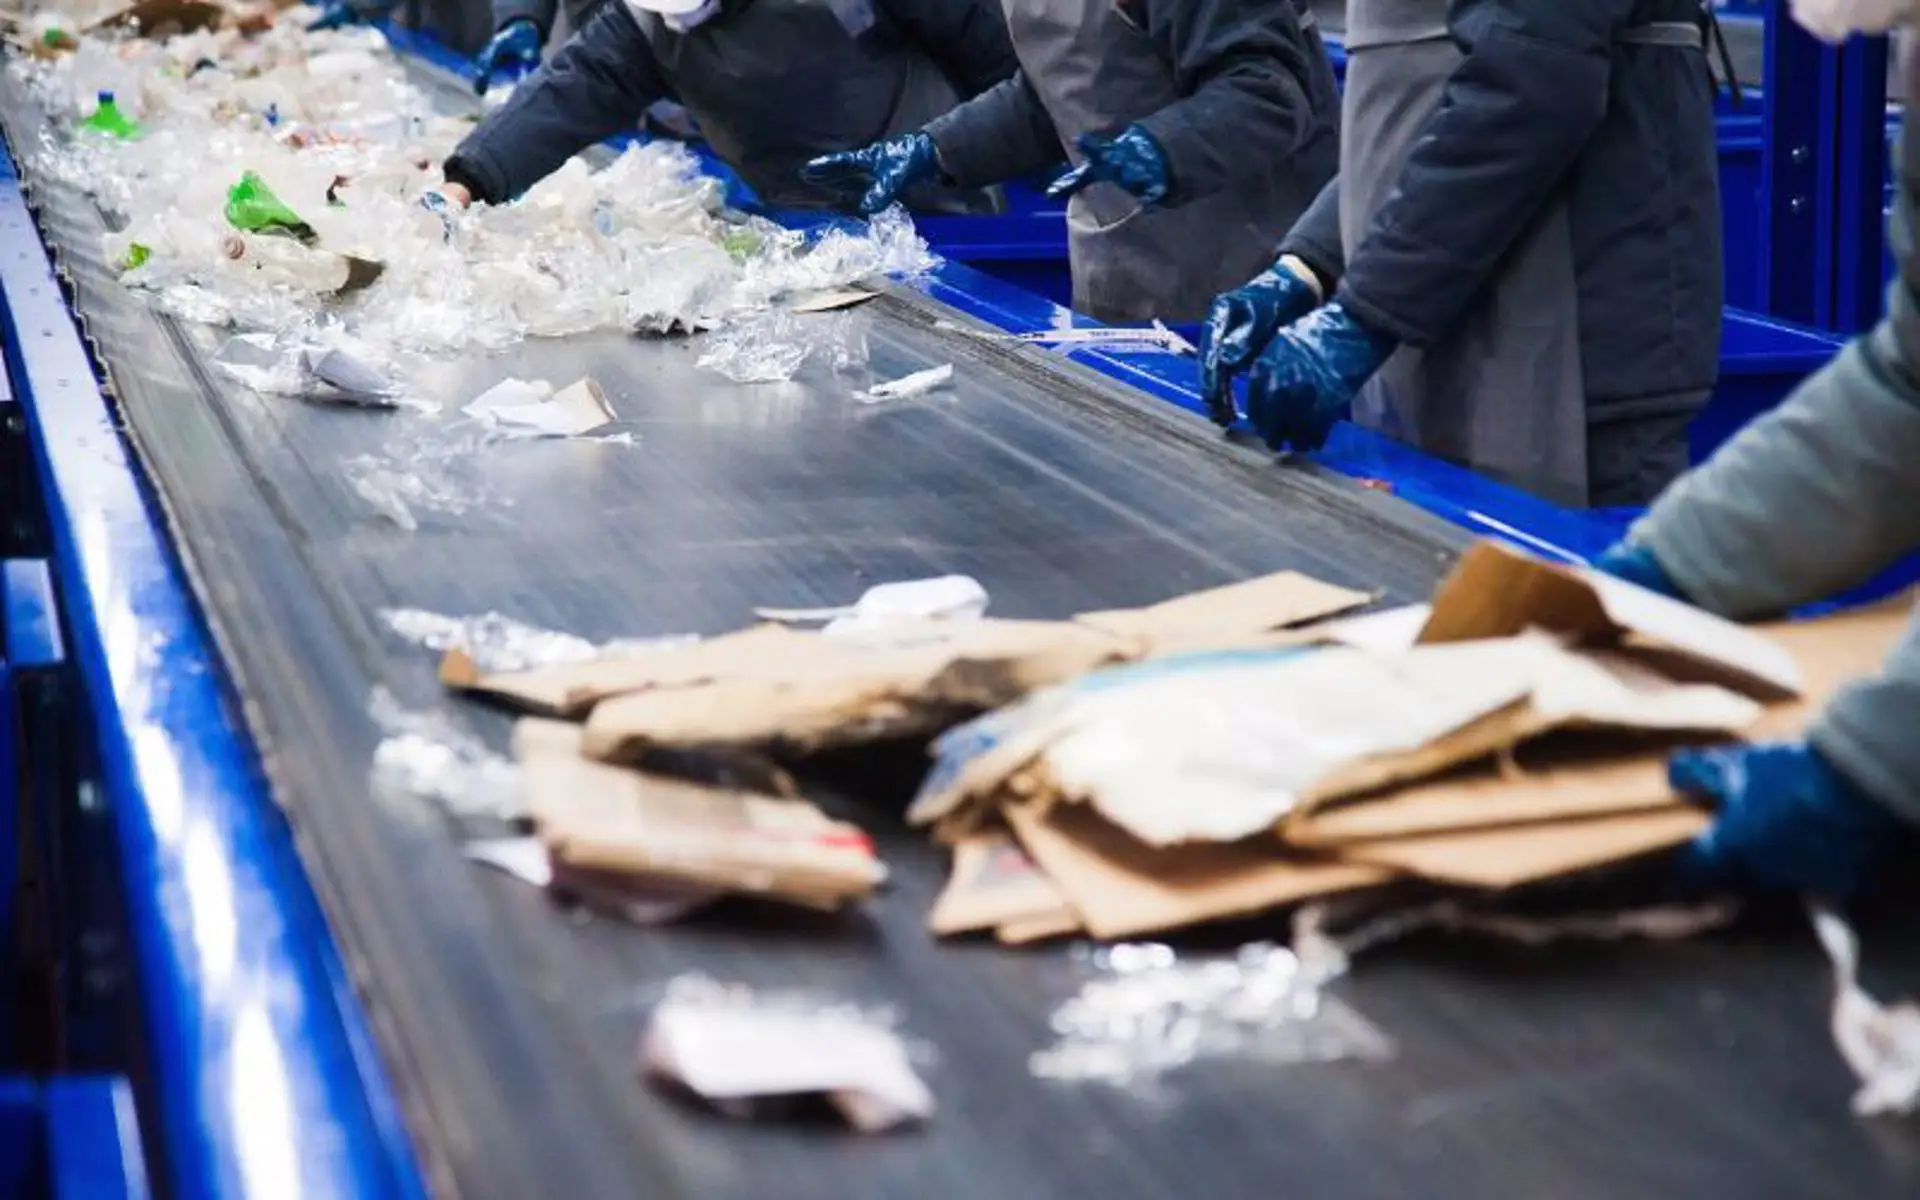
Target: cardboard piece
(839,692)
(1503,858)
(607,821)
(1497,591)
(994,884)
(1497,828)
(1226,616)
(1044,927)
(162,18)
(1123,889)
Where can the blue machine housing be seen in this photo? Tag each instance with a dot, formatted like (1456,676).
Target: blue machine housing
(260,1075)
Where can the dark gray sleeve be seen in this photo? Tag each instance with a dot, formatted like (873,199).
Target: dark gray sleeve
(541,12)
(1241,67)
(1868,730)
(1511,122)
(597,86)
(1003,133)
(1315,237)
(968,38)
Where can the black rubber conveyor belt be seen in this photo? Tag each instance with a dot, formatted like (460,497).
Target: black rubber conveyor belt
(510,1027)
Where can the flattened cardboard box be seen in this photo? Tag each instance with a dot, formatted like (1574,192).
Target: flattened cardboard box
(1489,826)
(995,885)
(1123,889)
(606,821)
(777,654)
(1496,591)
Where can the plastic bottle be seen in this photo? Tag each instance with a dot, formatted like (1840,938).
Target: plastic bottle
(253,208)
(107,119)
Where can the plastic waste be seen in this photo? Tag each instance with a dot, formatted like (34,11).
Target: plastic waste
(107,119)
(252,207)
(917,384)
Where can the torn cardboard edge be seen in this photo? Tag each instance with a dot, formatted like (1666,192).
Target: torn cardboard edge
(1497,591)
(995,885)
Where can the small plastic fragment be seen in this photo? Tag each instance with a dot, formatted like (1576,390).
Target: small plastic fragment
(917,384)
(425,757)
(946,597)
(1146,1013)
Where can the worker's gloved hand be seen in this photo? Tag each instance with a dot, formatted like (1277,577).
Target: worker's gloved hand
(1636,564)
(514,50)
(879,174)
(1243,321)
(1305,378)
(1788,821)
(336,14)
(1131,160)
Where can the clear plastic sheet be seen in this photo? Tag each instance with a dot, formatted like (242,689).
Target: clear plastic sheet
(331,126)
(769,348)
(425,757)
(1147,1012)
(500,643)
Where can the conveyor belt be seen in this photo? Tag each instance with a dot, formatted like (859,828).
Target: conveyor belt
(510,1026)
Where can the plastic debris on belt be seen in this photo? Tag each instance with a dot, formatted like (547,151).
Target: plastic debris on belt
(333,131)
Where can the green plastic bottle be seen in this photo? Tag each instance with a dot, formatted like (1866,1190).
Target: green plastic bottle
(253,208)
(109,120)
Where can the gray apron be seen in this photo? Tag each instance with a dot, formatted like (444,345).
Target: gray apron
(1504,393)
(1095,72)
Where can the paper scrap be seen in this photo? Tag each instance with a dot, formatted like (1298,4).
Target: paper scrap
(917,384)
(524,858)
(531,408)
(729,1046)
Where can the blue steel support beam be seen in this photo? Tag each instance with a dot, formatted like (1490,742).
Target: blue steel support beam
(263,1075)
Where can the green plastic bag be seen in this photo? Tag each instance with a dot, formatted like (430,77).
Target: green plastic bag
(107,119)
(253,208)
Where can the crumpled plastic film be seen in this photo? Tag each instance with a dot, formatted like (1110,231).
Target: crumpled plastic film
(328,124)
(426,757)
(769,348)
(1881,1042)
(1148,1012)
(500,643)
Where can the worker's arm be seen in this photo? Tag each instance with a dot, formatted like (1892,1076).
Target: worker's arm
(1511,123)
(1868,730)
(1315,237)
(1241,68)
(967,38)
(1003,133)
(542,13)
(597,86)
(1822,492)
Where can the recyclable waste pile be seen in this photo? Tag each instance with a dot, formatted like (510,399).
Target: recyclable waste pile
(269,179)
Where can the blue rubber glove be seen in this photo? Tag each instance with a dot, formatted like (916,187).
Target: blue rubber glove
(1788,821)
(1636,564)
(1131,160)
(513,51)
(1305,378)
(881,173)
(337,14)
(1241,324)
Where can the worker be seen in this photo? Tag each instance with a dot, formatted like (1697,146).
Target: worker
(772,83)
(459,25)
(1198,130)
(1812,498)
(1521,252)
(520,29)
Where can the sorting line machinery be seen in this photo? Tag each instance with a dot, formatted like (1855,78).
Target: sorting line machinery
(309,992)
